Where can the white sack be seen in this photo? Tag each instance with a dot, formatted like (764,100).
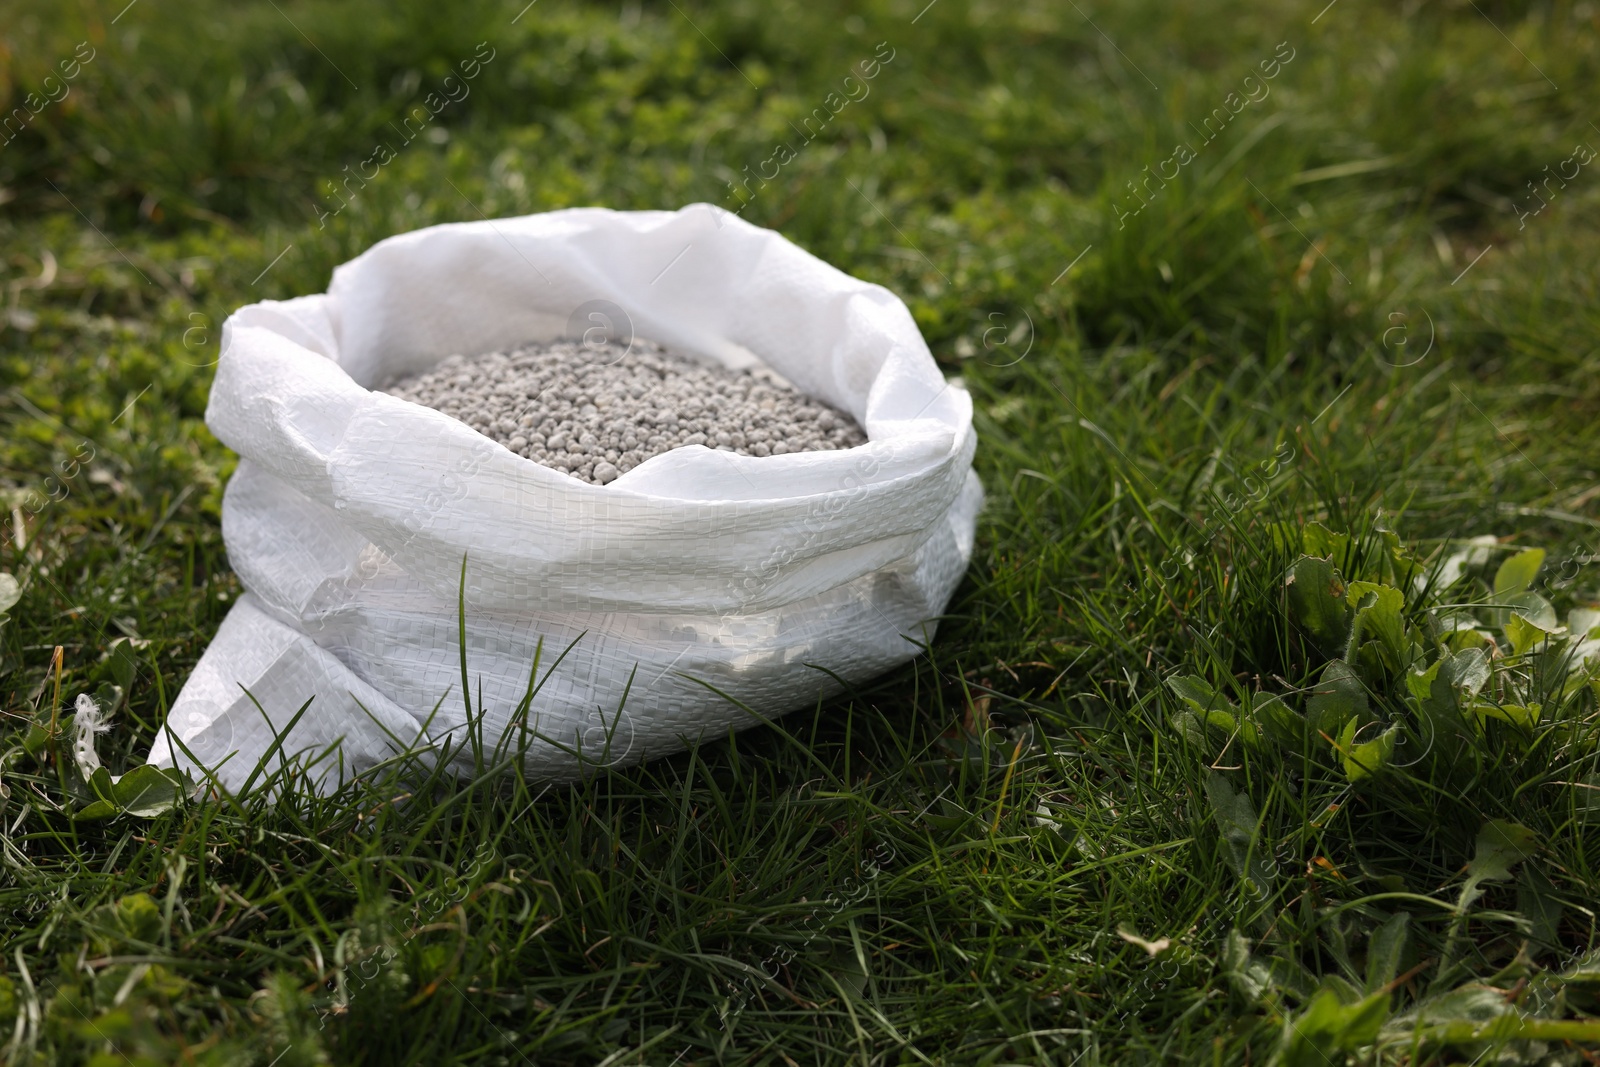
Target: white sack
(351,510)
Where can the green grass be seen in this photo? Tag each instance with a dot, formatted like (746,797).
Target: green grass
(936,868)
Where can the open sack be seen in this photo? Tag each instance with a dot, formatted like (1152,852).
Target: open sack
(352,511)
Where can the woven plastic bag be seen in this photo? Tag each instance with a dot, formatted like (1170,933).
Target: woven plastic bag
(367,530)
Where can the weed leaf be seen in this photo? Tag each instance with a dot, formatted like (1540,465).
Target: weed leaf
(1338,698)
(1385,948)
(1236,819)
(1517,573)
(1379,616)
(1318,540)
(1369,757)
(1525,634)
(1501,845)
(1318,603)
(147,791)
(1329,1028)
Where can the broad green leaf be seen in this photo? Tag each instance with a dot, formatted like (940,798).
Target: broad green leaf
(1373,663)
(1524,716)
(1385,948)
(37,738)
(1581,622)
(100,809)
(1209,709)
(1501,845)
(1535,608)
(1467,640)
(1318,540)
(1278,721)
(1328,1029)
(1468,1013)
(1193,728)
(1517,573)
(1470,1004)
(147,791)
(1368,757)
(1453,683)
(1392,600)
(1228,723)
(143,792)
(1189,727)
(1317,602)
(1379,615)
(100,784)
(122,661)
(1458,631)
(1249,977)
(1257,978)
(1347,737)
(1403,571)
(1199,693)
(1236,819)
(1338,698)
(1465,673)
(1420,682)
(845,970)
(1479,1014)
(1525,634)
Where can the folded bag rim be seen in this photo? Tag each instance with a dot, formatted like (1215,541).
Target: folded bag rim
(283,398)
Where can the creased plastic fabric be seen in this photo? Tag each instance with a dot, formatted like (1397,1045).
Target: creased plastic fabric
(695,574)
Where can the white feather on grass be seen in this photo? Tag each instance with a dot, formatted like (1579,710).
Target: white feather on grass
(88,722)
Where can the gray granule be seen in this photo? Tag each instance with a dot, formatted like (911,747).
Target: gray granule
(597,411)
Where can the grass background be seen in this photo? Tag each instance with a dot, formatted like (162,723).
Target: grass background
(1351,273)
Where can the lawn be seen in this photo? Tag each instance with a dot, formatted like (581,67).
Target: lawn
(1261,729)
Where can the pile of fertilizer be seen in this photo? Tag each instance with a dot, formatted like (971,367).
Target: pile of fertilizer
(598,411)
